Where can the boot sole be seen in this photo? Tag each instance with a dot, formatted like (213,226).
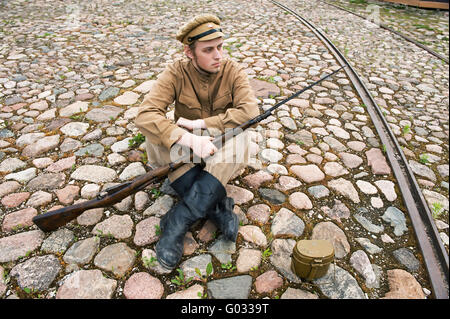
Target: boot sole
(164,265)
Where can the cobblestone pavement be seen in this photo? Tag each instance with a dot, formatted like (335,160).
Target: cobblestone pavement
(72,76)
(428,27)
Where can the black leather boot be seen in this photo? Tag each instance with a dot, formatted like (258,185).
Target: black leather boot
(181,186)
(203,196)
(224,218)
(169,248)
(222,215)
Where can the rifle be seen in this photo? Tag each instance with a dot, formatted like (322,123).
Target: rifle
(52,220)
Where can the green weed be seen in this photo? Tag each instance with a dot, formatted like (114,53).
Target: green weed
(406,129)
(149,262)
(423,158)
(436,209)
(136,140)
(228,266)
(266,253)
(209,269)
(180,280)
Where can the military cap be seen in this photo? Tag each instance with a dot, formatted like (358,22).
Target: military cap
(201,28)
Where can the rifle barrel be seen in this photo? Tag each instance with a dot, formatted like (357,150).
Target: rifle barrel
(235,131)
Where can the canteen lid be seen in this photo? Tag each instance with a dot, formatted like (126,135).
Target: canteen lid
(315,248)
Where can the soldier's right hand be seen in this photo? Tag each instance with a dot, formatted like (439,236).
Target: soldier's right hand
(200,145)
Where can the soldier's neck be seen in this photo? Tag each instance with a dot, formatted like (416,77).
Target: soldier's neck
(201,70)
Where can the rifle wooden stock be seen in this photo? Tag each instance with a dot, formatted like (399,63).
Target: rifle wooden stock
(59,217)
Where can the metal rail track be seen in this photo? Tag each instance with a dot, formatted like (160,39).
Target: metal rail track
(383,26)
(434,254)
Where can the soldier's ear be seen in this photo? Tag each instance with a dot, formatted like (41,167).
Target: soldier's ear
(188,52)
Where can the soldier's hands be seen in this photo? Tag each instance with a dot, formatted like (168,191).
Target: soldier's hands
(191,124)
(200,145)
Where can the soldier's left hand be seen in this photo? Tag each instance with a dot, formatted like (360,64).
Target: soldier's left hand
(191,124)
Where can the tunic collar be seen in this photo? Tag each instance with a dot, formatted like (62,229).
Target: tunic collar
(203,76)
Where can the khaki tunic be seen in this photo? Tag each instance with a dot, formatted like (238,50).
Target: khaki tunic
(224,100)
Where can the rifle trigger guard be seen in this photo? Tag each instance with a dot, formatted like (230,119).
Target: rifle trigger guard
(101,195)
(112,190)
